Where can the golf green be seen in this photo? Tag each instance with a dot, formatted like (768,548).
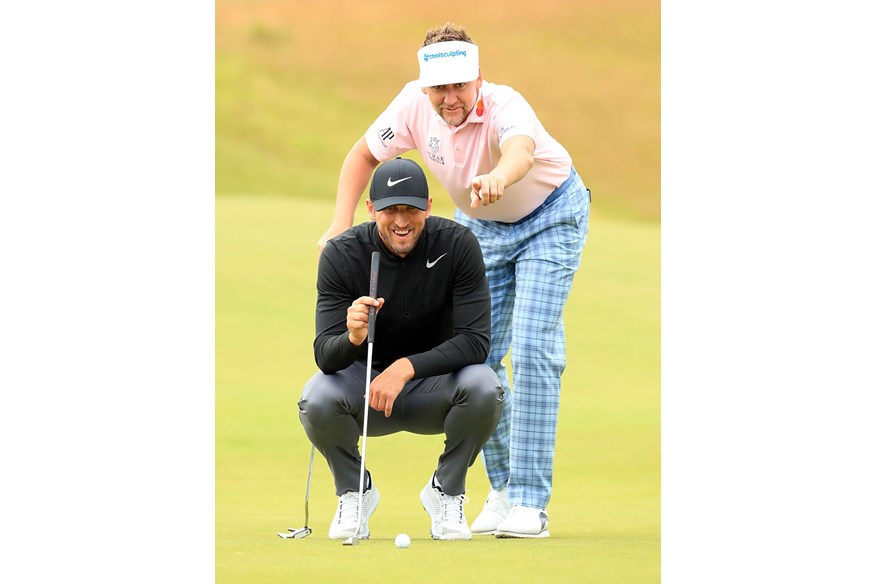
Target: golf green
(605,511)
(296,85)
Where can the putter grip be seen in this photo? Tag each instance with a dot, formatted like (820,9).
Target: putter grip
(372,291)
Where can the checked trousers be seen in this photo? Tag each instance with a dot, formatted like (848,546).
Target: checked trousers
(530,267)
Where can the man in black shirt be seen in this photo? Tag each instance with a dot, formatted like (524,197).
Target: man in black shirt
(431,339)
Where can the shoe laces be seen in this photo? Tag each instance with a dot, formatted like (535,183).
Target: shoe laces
(451,507)
(349,503)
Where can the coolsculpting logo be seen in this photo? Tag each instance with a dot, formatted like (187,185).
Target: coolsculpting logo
(456,53)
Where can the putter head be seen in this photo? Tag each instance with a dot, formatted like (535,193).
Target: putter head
(296,533)
(351,541)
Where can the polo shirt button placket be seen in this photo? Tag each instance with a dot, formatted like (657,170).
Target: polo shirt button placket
(457,151)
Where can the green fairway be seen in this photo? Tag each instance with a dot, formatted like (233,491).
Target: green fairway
(605,512)
(296,84)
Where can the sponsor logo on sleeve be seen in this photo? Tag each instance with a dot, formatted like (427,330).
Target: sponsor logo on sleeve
(385,135)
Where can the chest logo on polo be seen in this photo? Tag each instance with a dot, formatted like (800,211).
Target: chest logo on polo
(430,264)
(432,153)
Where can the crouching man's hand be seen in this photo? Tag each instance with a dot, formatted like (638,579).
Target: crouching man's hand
(386,387)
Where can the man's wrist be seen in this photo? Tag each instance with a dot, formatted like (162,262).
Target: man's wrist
(405,368)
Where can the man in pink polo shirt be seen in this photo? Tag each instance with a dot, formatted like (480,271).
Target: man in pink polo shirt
(515,187)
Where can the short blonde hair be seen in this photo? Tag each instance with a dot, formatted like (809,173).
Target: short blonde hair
(446,32)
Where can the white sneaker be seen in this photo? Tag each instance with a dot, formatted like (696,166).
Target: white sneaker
(344,523)
(495,511)
(524,522)
(448,516)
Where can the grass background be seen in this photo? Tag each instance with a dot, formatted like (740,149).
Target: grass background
(296,84)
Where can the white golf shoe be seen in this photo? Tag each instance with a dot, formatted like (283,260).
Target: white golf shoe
(344,523)
(524,522)
(448,516)
(495,511)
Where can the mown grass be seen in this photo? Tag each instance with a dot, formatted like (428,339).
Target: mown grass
(296,84)
(605,513)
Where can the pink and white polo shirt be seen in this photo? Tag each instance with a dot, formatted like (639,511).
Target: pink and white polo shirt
(456,155)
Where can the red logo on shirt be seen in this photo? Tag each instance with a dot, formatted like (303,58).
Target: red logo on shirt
(480,109)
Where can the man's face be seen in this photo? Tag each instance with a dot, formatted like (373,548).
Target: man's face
(400,226)
(454,102)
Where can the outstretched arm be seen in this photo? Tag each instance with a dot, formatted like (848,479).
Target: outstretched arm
(355,172)
(515,162)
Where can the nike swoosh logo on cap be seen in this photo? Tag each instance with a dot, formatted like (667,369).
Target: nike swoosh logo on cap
(392,183)
(430,264)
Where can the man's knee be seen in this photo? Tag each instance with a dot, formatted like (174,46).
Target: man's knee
(319,399)
(482,385)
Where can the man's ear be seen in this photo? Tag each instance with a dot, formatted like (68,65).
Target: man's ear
(429,208)
(371,212)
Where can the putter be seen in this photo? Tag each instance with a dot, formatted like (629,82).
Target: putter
(302,531)
(375,268)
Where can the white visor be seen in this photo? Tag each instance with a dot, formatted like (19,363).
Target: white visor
(448,62)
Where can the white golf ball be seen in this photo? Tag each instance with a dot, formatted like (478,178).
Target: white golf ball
(402,540)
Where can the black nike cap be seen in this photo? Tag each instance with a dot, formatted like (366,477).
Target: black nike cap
(399,182)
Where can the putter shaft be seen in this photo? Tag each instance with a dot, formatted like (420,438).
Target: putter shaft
(364,437)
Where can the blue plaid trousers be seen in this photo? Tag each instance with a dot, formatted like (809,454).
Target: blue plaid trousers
(530,266)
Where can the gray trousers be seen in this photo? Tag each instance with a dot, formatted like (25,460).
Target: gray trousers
(465,406)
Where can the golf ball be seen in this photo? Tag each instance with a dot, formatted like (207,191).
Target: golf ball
(402,540)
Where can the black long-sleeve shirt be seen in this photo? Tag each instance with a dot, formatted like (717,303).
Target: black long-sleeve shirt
(437,309)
